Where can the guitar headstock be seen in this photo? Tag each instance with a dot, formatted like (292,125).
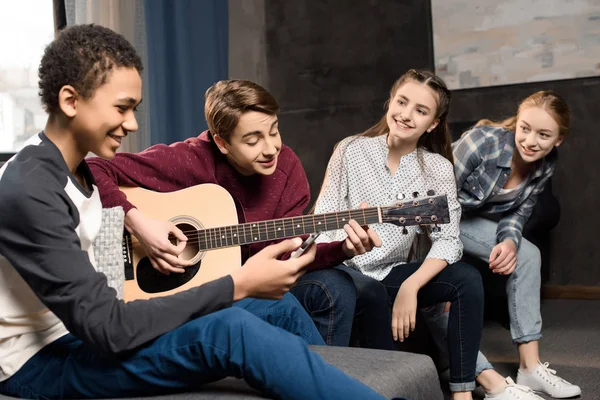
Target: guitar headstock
(430,210)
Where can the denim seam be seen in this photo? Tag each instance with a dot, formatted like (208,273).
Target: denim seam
(331,307)
(26,389)
(476,240)
(459,319)
(460,330)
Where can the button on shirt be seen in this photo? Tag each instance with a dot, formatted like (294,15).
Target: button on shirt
(358,171)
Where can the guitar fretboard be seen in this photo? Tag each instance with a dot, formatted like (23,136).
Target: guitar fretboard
(238,235)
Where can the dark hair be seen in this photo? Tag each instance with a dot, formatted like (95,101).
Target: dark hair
(82,56)
(549,101)
(439,139)
(227,100)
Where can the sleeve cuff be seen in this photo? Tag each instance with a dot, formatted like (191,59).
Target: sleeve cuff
(328,255)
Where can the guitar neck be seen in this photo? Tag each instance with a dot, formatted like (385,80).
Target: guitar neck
(254,232)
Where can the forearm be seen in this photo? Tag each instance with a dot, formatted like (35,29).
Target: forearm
(430,268)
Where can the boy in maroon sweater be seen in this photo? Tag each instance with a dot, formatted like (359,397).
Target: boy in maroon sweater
(243,153)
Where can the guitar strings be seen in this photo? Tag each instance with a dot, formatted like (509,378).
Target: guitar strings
(216,243)
(368,212)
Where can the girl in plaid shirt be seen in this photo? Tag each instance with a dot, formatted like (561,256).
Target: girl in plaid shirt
(501,168)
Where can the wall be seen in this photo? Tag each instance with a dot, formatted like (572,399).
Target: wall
(331,65)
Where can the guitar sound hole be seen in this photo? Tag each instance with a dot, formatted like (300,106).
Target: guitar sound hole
(191,247)
(152,281)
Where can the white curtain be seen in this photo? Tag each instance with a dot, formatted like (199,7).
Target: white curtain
(127,18)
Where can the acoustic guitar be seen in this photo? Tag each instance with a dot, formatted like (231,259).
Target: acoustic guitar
(207,215)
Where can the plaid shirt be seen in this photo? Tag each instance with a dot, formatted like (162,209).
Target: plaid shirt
(482,165)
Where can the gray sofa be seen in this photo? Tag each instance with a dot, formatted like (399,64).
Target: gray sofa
(391,373)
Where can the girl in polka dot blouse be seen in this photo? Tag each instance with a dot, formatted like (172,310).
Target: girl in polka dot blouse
(408,151)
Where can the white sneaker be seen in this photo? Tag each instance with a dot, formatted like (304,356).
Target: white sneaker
(512,391)
(544,379)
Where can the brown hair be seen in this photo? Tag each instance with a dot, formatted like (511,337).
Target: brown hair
(548,100)
(227,100)
(439,139)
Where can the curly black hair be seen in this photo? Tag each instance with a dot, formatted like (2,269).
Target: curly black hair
(82,56)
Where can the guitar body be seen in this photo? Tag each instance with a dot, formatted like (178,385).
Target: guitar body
(191,209)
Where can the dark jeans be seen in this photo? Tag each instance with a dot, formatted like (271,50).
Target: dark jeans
(261,341)
(373,316)
(329,297)
(460,284)
(332,303)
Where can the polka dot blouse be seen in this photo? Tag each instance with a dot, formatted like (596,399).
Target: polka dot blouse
(358,172)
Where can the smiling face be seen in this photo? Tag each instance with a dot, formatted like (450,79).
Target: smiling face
(103,120)
(254,144)
(412,112)
(536,134)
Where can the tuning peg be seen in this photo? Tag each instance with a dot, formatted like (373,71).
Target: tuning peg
(400,196)
(415,194)
(404,231)
(431,192)
(436,229)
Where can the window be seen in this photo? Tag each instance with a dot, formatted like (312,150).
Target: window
(26,27)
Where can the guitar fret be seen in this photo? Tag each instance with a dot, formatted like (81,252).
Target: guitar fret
(269,230)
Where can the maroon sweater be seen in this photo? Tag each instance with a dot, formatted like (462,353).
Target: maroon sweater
(180,165)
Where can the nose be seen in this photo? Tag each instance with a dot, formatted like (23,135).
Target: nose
(130,124)
(270,147)
(530,140)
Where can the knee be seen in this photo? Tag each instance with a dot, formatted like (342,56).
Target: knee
(231,320)
(290,304)
(469,280)
(326,289)
(372,294)
(529,255)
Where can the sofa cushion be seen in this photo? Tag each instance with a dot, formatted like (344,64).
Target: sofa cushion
(391,373)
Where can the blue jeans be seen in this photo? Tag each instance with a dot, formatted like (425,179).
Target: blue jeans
(329,297)
(232,342)
(523,287)
(460,284)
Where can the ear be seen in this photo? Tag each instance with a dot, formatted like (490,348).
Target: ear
(560,140)
(433,125)
(67,100)
(221,144)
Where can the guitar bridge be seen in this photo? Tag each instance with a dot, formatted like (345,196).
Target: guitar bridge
(127,256)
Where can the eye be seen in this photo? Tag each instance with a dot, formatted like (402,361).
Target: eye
(135,109)
(122,109)
(252,143)
(274,134)
(544,135)
(422,112)
(524,129)
(401,102)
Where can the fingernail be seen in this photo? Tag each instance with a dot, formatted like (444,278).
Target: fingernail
(297,241)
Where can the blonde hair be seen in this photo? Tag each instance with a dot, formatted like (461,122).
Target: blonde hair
(549,101)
